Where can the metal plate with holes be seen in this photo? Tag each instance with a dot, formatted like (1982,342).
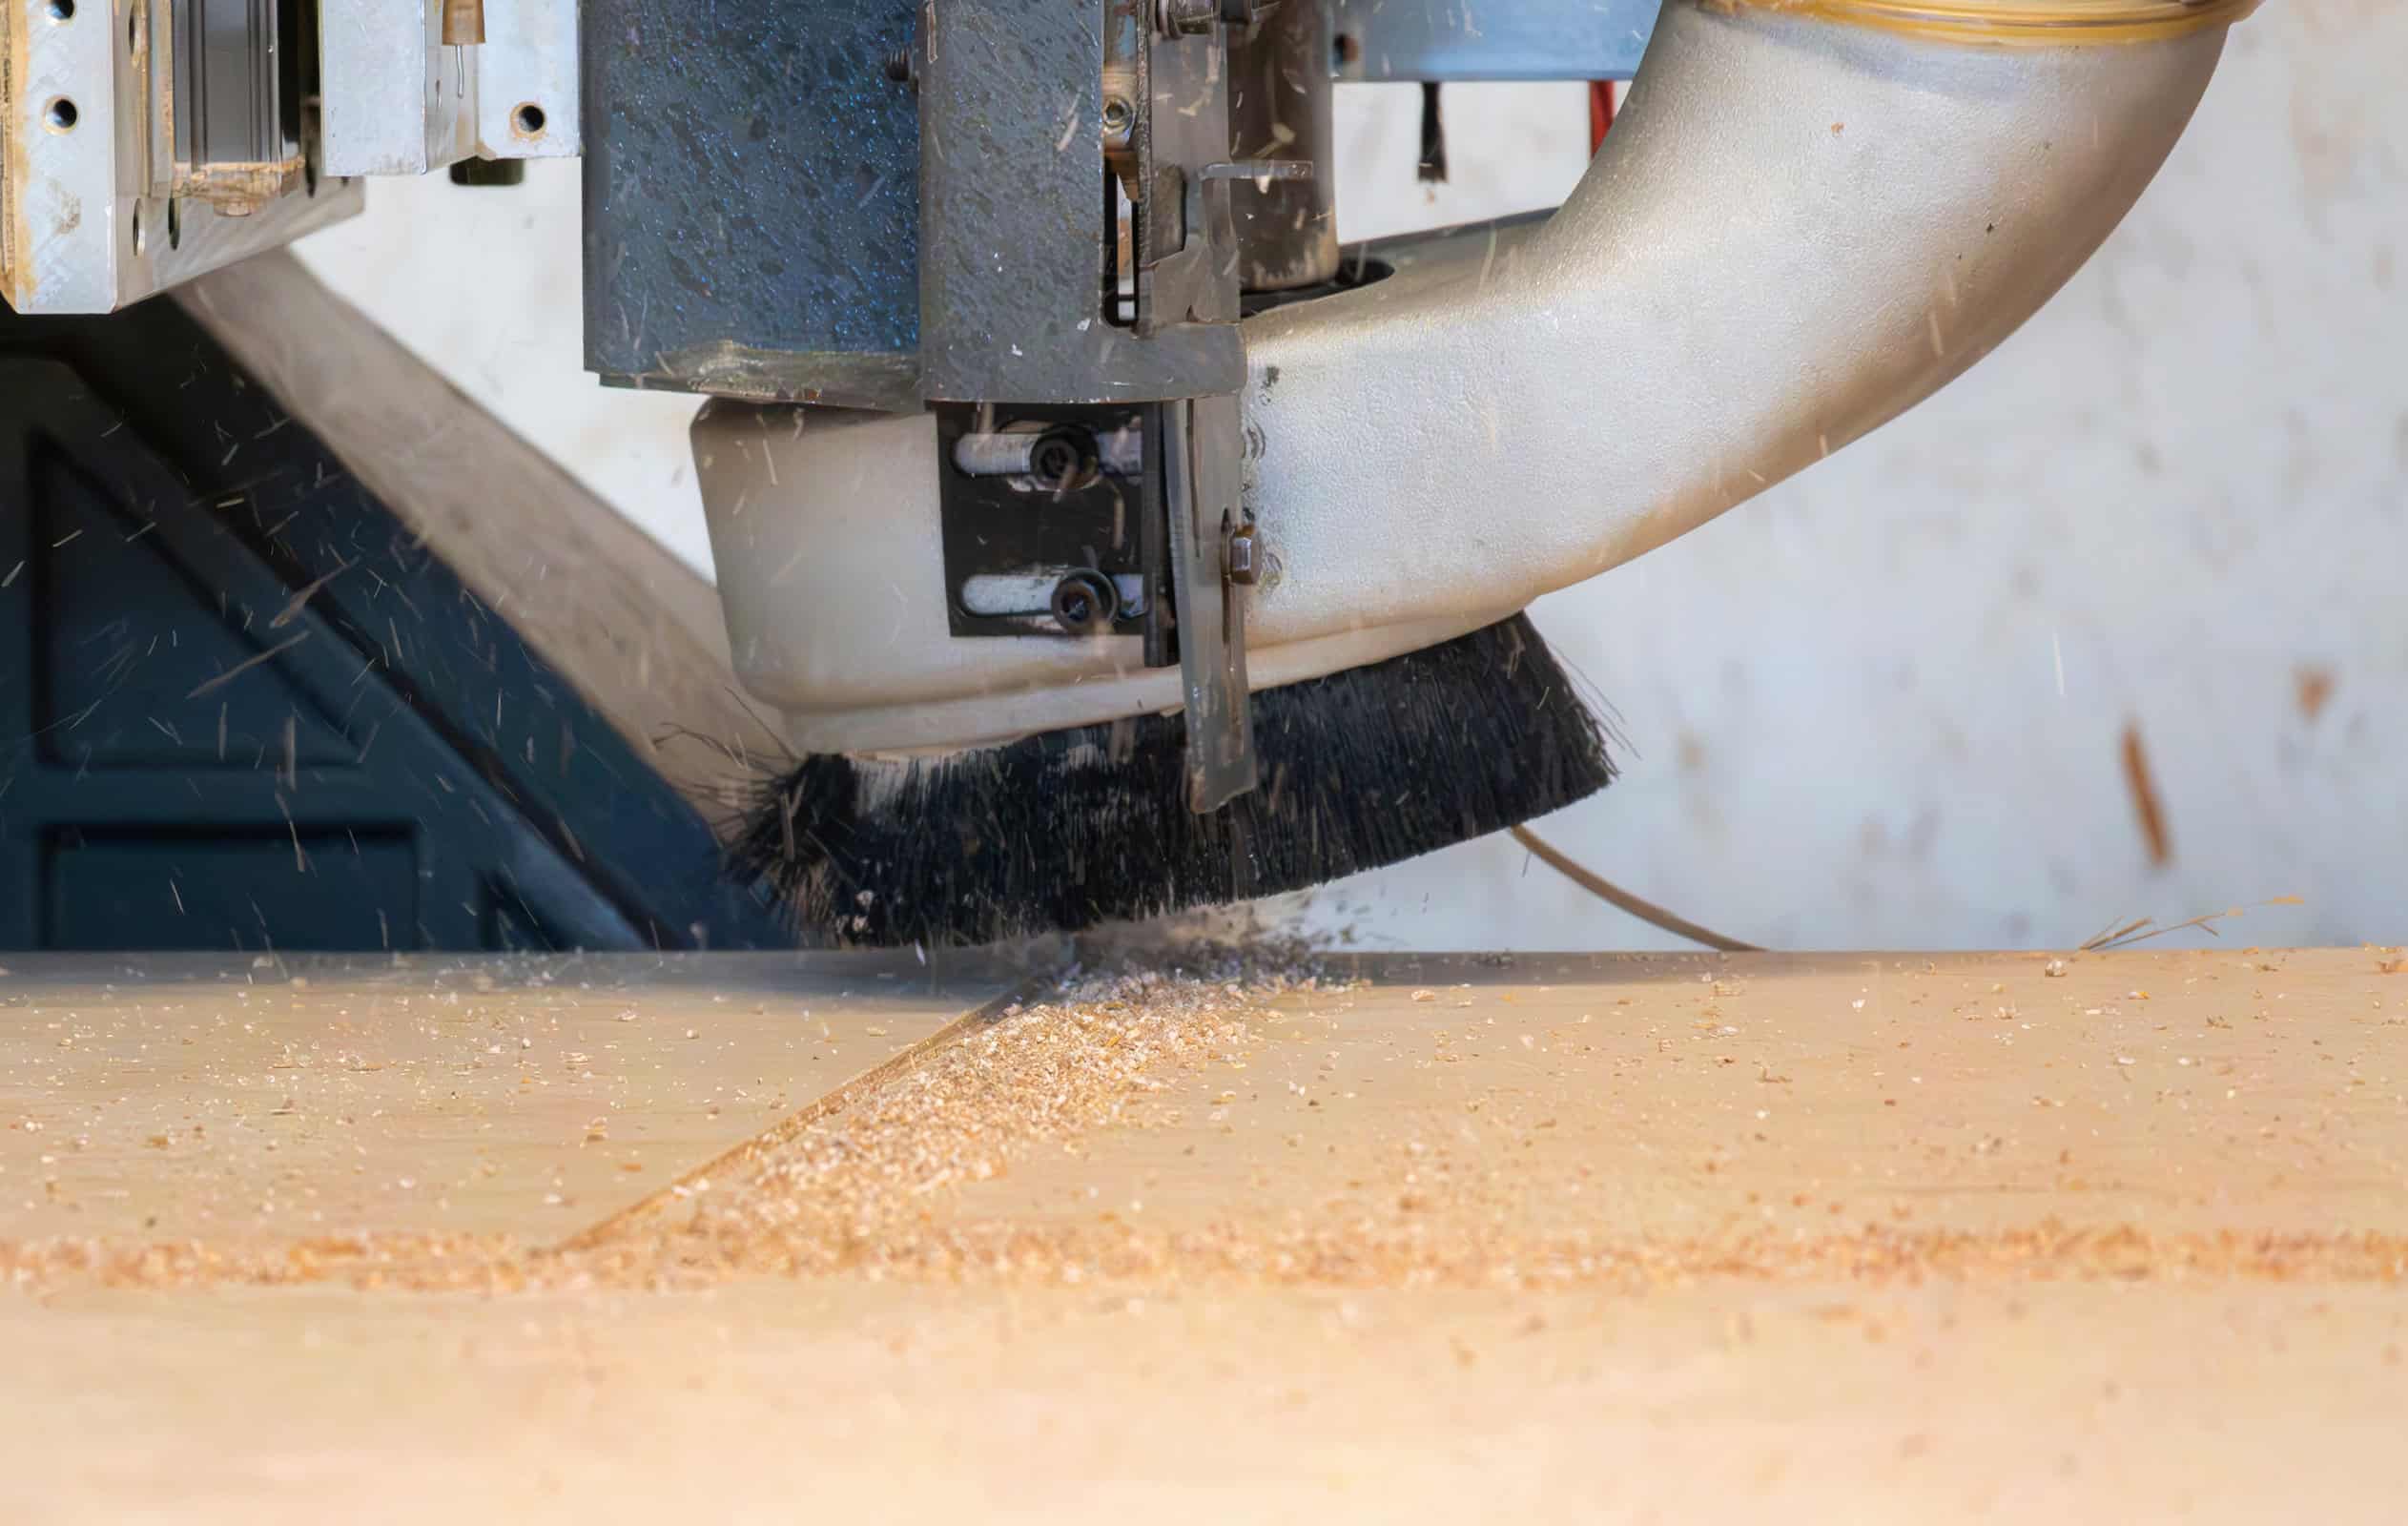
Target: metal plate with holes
(398,102)
(1076,513)
(1491,39)
(85,212)
(527,101)
(86,223)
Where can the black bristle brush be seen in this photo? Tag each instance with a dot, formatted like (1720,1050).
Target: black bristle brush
(1062,830)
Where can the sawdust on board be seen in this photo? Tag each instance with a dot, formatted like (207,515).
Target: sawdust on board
(822,1196)
(866,1189)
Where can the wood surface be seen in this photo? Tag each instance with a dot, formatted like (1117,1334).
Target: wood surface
(164,1097)
(1671,1100)
(2106,1238)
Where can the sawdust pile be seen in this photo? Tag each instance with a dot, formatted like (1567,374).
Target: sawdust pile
(847,1190)
(858,1190)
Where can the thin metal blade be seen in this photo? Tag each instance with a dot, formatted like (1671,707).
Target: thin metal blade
(1199,461)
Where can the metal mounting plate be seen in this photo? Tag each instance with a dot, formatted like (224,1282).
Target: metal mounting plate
(395,101)
(1007,531)
(84,227)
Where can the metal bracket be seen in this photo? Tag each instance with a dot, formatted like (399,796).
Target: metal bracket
(95,212)
(1188,242)
(1187,275)
(1022,313)
(1200,458)
(399,101)
(1044,511)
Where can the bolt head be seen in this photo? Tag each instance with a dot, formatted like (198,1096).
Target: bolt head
(1245,563)
(1085,604)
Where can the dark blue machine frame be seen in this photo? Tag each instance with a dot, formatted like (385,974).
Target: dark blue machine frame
(242,707)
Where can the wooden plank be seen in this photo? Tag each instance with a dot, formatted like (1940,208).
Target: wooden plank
(1477,1239)
(1456,1111)
(859,1401)
(170,1098)
(637,632)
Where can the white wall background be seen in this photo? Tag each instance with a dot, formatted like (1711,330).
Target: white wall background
(1883,705)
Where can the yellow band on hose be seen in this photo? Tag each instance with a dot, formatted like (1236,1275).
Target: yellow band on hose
(2016,21)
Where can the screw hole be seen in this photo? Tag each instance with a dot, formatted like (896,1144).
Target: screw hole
(60,116)
(61,10)
(175,224)
(529,119)
(141,237)
(131,36)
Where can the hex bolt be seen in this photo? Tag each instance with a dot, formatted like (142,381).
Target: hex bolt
(1243,562)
